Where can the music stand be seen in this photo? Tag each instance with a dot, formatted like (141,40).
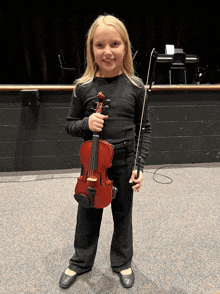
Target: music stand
(61,61)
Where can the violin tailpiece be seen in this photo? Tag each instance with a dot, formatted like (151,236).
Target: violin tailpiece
(91,192)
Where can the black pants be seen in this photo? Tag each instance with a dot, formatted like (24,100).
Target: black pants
(89,219)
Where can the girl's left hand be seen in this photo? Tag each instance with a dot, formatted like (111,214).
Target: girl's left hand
(138,181)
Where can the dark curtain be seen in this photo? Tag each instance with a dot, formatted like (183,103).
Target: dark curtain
(32,37)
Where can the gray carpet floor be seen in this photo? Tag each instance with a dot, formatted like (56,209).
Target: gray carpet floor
(176,233)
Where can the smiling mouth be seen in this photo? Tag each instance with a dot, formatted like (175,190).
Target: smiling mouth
(109,61)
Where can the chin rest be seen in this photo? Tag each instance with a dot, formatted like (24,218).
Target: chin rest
(82,200)
(85,202)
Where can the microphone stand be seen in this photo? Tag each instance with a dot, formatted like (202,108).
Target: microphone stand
(143,116)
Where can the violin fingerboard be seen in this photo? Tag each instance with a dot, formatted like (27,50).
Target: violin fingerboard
(94,152)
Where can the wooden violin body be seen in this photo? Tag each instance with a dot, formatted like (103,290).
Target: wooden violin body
(94,184)
(93,188)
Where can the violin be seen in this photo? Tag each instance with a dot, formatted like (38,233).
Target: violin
(93,188)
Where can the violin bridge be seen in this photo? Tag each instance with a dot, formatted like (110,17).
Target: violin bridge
(91,179)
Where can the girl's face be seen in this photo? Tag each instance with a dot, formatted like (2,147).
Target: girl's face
(109,50)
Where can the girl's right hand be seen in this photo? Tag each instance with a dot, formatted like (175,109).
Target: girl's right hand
(96,121)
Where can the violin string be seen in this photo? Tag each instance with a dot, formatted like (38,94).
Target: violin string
(95,143)
(92,161)
(93,155)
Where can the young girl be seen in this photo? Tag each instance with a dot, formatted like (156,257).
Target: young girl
(109,70)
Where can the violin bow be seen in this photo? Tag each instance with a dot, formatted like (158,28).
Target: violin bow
(142,127)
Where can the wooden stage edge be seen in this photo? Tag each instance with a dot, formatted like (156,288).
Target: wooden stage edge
(155,88)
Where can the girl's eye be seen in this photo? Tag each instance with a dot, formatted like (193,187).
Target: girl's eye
(115,44)
(99,45)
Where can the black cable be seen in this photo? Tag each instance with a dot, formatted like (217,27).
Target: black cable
(156,174)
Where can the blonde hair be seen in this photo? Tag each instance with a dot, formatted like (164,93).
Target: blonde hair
(91,66)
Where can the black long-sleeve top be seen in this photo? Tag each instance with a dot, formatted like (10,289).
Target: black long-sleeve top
(124,112)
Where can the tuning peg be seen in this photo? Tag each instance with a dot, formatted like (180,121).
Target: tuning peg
(105,109)
(94,103)
(107,102)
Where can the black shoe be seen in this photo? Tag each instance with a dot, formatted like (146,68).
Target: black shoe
(66,281)
(127,281)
